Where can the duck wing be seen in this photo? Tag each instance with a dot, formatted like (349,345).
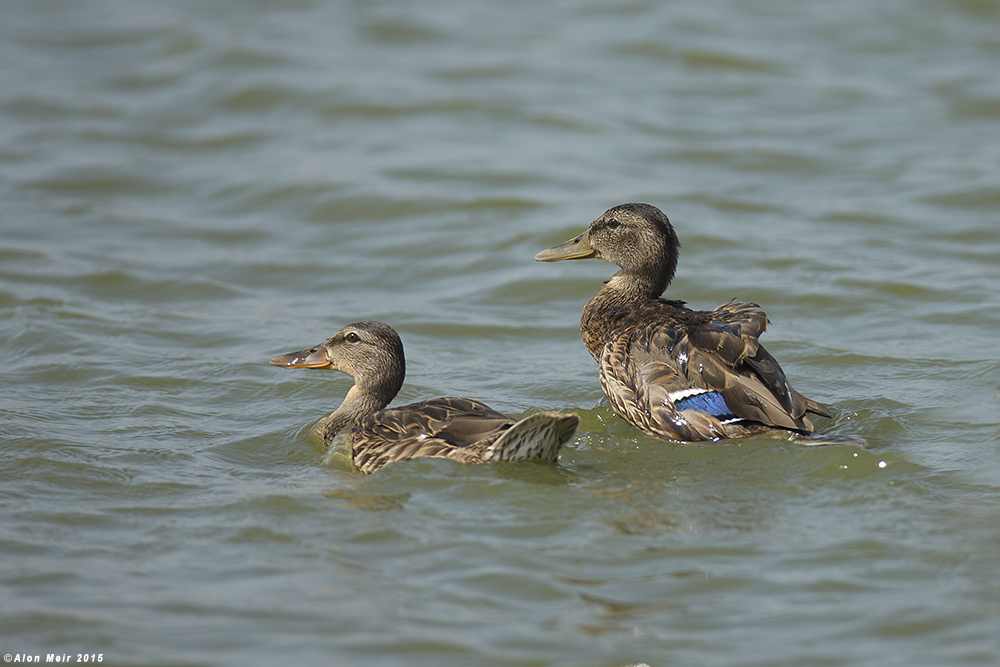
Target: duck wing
(457,428)
(460,429)
(700,375)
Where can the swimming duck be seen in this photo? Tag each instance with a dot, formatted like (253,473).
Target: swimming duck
(677,373)
(453,428)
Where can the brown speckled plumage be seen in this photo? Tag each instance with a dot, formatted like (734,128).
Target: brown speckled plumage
(455,428)
(653,353)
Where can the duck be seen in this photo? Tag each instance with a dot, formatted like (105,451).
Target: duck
(461,429)
(676,373)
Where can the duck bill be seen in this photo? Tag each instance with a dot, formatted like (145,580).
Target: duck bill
(313,357)
(576,248)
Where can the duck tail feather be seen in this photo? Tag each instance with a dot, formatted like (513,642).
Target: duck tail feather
(538,436)
(817,408)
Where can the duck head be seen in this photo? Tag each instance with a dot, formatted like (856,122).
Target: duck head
(637,237)
(369,352)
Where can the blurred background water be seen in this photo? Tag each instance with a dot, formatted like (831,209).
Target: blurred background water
(190,188)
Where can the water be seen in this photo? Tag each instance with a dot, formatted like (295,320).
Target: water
(190,188)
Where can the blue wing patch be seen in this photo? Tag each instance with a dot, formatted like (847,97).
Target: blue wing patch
(709,402)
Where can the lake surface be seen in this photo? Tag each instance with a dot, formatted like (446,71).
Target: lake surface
(188,189)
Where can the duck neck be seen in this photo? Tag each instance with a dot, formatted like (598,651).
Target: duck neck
(358,404)
(614,307)
(628,287)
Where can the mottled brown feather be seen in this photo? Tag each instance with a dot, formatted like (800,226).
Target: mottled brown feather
(648,348)
(455,428)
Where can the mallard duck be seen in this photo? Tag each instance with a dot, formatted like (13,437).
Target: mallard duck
(677,373)
(453,428)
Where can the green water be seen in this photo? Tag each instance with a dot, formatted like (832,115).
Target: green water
(188,189)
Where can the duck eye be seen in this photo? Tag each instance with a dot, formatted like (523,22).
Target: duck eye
(613,223)
(352,337)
